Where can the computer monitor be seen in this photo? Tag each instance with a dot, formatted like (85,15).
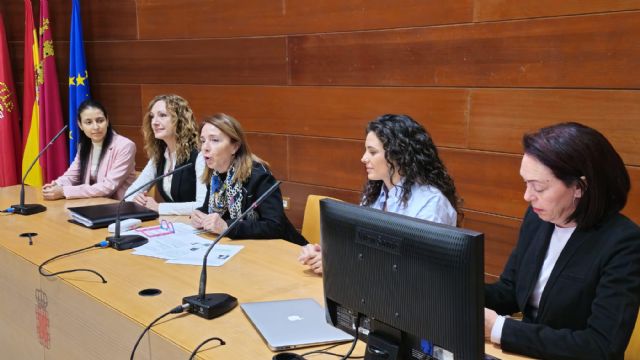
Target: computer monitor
(416,286)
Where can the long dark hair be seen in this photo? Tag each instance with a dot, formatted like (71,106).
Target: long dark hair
(408,146)
(84,146)
(580,155)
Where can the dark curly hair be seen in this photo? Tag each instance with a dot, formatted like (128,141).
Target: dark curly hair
(408,146)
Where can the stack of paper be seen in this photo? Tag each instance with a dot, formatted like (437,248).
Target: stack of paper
(184,247)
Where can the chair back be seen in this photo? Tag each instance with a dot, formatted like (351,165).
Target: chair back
(633,349)
(311,220)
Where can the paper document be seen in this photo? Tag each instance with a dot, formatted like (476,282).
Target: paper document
(183,246)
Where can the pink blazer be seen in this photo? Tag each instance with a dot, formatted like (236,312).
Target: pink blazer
(115,173)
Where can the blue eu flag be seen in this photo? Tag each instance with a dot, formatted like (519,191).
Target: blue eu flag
(78,77)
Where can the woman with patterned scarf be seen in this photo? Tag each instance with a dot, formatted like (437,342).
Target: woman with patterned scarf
(235,178)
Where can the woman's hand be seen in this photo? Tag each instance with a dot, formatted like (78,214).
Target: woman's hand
(52,191)
(146,201)
(311,255)
(214,223)
(196,219)
(489,319)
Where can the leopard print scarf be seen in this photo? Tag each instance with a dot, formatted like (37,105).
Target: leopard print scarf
(227,195)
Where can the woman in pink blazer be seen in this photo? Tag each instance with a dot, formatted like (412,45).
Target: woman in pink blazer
(104,165)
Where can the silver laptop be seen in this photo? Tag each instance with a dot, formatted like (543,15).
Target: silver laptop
(290,324)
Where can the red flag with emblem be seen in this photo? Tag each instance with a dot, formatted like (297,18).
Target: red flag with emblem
(55,160)
(10,156)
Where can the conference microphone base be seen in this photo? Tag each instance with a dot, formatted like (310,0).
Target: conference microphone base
(28,209)
(213,305)
(126,242)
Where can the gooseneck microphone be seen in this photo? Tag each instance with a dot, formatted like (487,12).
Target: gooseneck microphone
(210,306)
(131,241)
(30,209)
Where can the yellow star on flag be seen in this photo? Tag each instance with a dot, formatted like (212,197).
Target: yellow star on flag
(80,80)
(72,80)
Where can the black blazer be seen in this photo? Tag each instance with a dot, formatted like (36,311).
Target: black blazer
(271,221)
(183,183)
(588,307)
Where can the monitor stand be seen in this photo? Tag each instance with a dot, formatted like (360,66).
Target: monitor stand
(379,348)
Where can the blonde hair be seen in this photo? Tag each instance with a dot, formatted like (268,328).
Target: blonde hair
(243,158)
(183,121)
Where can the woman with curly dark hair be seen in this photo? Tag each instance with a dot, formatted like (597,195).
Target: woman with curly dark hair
(171,140)
(405,176)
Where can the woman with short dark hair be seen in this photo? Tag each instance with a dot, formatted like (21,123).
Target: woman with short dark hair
(104,165)
(575,271)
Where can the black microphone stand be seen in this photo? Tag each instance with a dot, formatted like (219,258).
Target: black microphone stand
(30,209)
(124,242)
(213,305)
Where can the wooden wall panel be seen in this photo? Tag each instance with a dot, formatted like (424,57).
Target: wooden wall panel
(251,18)
(16,55)
(208,18)
(338,15)
(101,20)
(500,117)
(13,16)
(487,182)
(500,237)
(135,135)
(632,210)
(326,162)
(226,61)
(340,112)
(558,52)
(273,149)
(298,193)
(226,18)
(491,10)
(122,102)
